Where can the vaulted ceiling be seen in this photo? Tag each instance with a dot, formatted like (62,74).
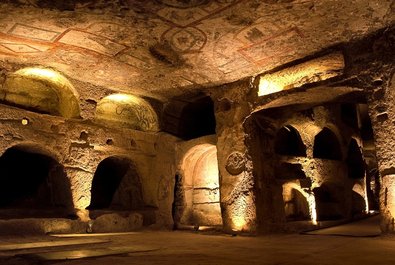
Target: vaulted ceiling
(168,47)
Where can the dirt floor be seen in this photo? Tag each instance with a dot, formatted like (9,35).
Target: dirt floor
(159,247)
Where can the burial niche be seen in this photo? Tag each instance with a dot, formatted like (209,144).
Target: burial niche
(116,185)
(288,142)
(296,206)
(326,145)
(34,184)
(329,201)
(41,90)
(200,186)
(189,116)
(355,161)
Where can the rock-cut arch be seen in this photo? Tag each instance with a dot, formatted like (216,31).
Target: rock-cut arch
(33,183)
(200,187)
(288,142)
(326,145)
(42,90)
(116,185)
(128,111)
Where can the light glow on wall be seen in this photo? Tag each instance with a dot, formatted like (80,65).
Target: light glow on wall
(312,71)
(128,111)
(41,89)
(241,211)
(201,186)
(312,207)
(310,198)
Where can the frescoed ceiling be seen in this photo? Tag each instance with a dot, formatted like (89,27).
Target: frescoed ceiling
(165,48)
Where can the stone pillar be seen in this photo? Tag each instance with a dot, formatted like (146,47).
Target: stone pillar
(236,179)
(381,105)
(80,182)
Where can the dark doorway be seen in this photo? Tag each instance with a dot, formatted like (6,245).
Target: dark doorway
(288,142)
(33,184)
(116,185)
(326,145)
(355,162)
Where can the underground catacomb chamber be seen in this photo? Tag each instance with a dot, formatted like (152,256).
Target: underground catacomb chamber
(197,188)
(116,186)
(34,184)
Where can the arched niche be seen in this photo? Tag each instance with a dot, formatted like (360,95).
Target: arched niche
(189,116)
(128,111)
(33,183)
(288,142)
(329,201)
(42,90)
(355,161)
(326,145)
(296,206)
(200,187)
(358,200)
(289,171)
(116,185)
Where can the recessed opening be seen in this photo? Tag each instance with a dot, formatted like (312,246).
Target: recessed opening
(358,200)
(41,90)
(25,121)
(110,141)
(198,203)
(329,200)
(326,145)
(116,185)
(84,136)
(288,142)
(295,205)
(355,161)
(190,117)
(349,115)
(289,171)
(33,184)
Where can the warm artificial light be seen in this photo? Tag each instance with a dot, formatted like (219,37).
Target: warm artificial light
(312,71)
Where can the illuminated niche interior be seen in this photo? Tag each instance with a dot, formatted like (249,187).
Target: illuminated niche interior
(42,90)
(128,111)
(200,187)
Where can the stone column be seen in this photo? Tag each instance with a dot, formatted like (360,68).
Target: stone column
(382,113)
(80,182)
(236,179)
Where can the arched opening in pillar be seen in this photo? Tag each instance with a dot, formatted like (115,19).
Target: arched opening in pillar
(199,181)
(329,201)
(355,161)
(326,145)
(359,200)
(41,90)
(189,116)
(373,181)
(296,206)
(33,184)
(288,142)
(116,186)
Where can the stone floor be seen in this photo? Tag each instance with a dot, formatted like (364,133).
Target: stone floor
(159,247)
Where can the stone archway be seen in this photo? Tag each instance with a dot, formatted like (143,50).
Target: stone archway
(34,184)
(42,90)
(288,142)
(128,111)
(200,187)
(326,145)
(116,185)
